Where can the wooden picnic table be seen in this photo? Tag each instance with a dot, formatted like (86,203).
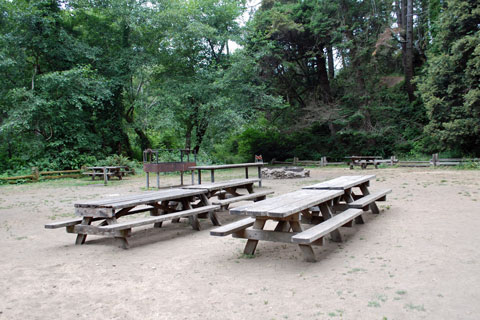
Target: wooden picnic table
(318,204)
(364,200)
(107,171)
(363,161)
(212,169)
(227,191)
(164,205)
(288,211)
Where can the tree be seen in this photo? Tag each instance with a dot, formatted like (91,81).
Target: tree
(450,86)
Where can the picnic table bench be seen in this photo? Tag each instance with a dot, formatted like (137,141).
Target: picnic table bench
(212,169)
(164,205)
(226,191)
(363,161)
(108,171)
(364,200)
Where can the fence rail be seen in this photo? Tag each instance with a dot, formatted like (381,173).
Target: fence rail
(435,161)
(45,175)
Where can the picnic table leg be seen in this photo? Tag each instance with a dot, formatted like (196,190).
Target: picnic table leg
(122,238)
(259,176)
(212,175)
(252,244)
(212,215)
(193,219)
(373,206)
(282,226)
(306,249)
(148,180)
(348,198)
(249,188)
(327,214)
(246,172)
(158,180)
(82,237)
(199,176)
(156,212)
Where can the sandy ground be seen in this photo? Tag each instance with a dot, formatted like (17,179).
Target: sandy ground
(418,259)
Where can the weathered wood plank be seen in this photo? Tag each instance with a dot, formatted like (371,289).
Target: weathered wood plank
(287,204)
(228,166)
(139,199)
(155,219)
(95,212)
(221,185)
(232,227)
(322,229)
(342,183)
(368,199)
(249,196)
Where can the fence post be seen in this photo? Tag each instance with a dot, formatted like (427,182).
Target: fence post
(392,160)
(295,161)
(35,174)
(435,159)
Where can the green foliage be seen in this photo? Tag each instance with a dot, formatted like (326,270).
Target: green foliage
(450,86)
(84,80)
(117,160)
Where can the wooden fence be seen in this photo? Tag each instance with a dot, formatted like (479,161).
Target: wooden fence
(435,161)
(45,175)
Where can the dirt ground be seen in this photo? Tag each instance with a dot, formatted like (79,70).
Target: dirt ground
(418,259)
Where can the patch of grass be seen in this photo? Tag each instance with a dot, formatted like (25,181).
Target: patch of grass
(355,270)
(411,306)
(373,304)
(246,256)
(401,292)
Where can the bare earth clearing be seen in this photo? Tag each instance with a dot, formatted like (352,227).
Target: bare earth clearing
(418,259)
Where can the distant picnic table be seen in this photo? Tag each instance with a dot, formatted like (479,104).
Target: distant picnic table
(106,172)
(363,161)
(212,169)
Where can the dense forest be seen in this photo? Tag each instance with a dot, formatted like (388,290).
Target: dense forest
(85,79)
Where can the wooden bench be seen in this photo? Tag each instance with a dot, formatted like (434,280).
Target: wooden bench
(75,221)
(368,201)
(232,227)
(156,219)
(320,230)
(256,196)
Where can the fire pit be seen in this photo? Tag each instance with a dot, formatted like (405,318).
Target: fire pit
(285,173)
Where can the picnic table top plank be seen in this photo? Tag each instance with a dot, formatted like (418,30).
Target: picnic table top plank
(287,204)
(139,199)
(228,166)
(341,183)
(220,185)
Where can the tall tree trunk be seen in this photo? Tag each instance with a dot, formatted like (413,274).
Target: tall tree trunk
(188,136)
(322,78)
(409,52)
(331,66)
